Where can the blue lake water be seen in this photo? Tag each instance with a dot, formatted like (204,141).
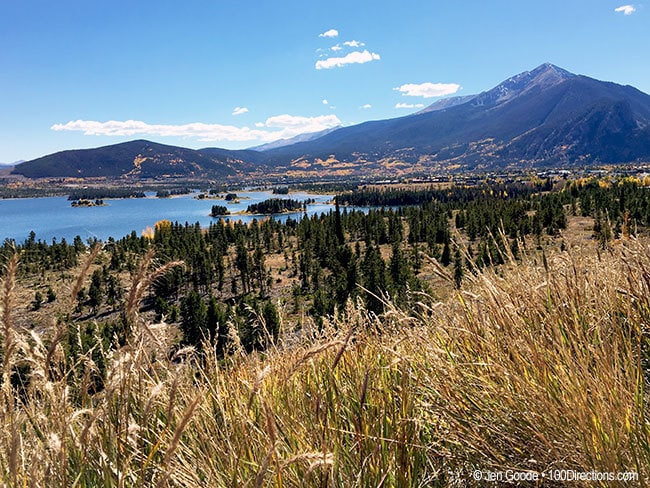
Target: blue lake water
(54,217)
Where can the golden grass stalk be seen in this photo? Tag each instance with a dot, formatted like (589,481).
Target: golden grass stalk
(531,367)
(142,280)
(94,252)
(9,343)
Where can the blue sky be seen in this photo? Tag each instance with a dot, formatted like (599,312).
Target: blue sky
(236,73)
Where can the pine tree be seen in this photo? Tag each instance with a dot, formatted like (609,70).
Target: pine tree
(338,226)
(374,279)
(193,318)
(38,301)
(51,296)
(216,319)
(514,247)
(445,258)
(602,230)
(113,291)
(259,271)
(271,320)
(96,292)
(458,268)
(395,231)
(81,300)
(416,259)
(242,261)
(400,272)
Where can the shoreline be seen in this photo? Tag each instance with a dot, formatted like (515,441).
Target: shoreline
(54,217)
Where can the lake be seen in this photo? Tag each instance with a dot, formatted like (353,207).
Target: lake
(54,217)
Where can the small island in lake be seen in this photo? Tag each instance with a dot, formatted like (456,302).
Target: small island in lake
(231,198)
(277,205)
(207,196)
(215,195)
(82,202)
(219,210)
(168,193)
(101,193)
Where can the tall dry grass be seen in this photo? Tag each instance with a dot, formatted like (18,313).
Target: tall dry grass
(533,367)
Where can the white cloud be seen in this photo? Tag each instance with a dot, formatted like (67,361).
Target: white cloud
(295,124)
(366,106)
(354,44)
(336,48)
(329,33)
(205,132)
(325,102)
(239,110)
(626,9)
(409,105)
(277,127)
(355,57)
(428,90)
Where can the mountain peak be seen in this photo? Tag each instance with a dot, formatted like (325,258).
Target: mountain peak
(551,67)
(543,77)
(550,72)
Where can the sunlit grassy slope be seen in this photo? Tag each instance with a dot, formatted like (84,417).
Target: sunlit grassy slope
(543,365)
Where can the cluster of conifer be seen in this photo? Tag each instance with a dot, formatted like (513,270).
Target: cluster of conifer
(618,207)
(276,205)
(39,257)
(320,262)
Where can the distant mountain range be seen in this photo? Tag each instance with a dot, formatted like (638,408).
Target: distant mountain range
(310,136)
(12,164)
(539,118)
